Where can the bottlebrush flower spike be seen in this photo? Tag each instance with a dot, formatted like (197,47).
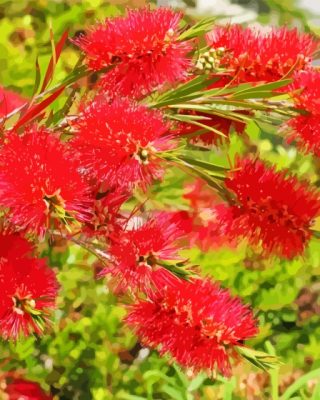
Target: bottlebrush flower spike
(261,55)
(40,183)
(200,195)
(119,141)
(144,46)
(305,128)
(272,208)
(210,218)
(106,213)
(196,322)
(21,389)
(13,246)
(9,101)
(28,290)
(305,131)
(141,256)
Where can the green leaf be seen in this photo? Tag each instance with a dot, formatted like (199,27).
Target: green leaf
(188,118)
(37,77)
(187,91)
(199,29)
(316,392)
(56,52)
(263,94)
(173,392)
(299,383)
(189,87)
(267,87)
(197,123)
(204,164)
(184,380)
(211,180)
(274,373)
(229,387)
(34,111)
(127,396)
(260,359)
(178,269)
(196,382)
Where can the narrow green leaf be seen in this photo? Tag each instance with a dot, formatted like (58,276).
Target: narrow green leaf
(188,118)
(127,396)
(191,86)
(55,118)
(265,87)
(203,164)
(238,104)
(260,359)
(187,91)
(36,110)
(37,78)
(229,387)
(173,392)
(299,383)
(274,373)
(56,51)
(196,382)
(198,29)
(263,94)
(211,180)
(316,392)
(204,126)
(184,380)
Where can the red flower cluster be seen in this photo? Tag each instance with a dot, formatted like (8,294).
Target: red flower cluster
(40,183)
(140,254)
(9,101)
(28,289)
(258,55)
(305,128)
(118,145)
(272,208)
(118,142)
(211,219)
(145,48)
(21,389)
(196,322)
(106,218)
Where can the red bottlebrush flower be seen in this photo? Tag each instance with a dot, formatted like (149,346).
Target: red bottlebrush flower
(40,182)
(197,323)
(138,255)
(305,129)
(212,226)
(306,91)
(28,291)
(258,55)
(106,216)
(14,246)
(145,47)
(9,101)
(211,219)
(21,389)
(118,142)
(272,208)
(200,195)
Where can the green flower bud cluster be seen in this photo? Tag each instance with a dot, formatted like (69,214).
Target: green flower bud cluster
(209,61)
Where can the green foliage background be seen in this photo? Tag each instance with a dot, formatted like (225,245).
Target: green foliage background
(90,354)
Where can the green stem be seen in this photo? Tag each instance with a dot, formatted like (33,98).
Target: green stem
(274,373)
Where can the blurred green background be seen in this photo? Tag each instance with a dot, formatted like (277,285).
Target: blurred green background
(90,354)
